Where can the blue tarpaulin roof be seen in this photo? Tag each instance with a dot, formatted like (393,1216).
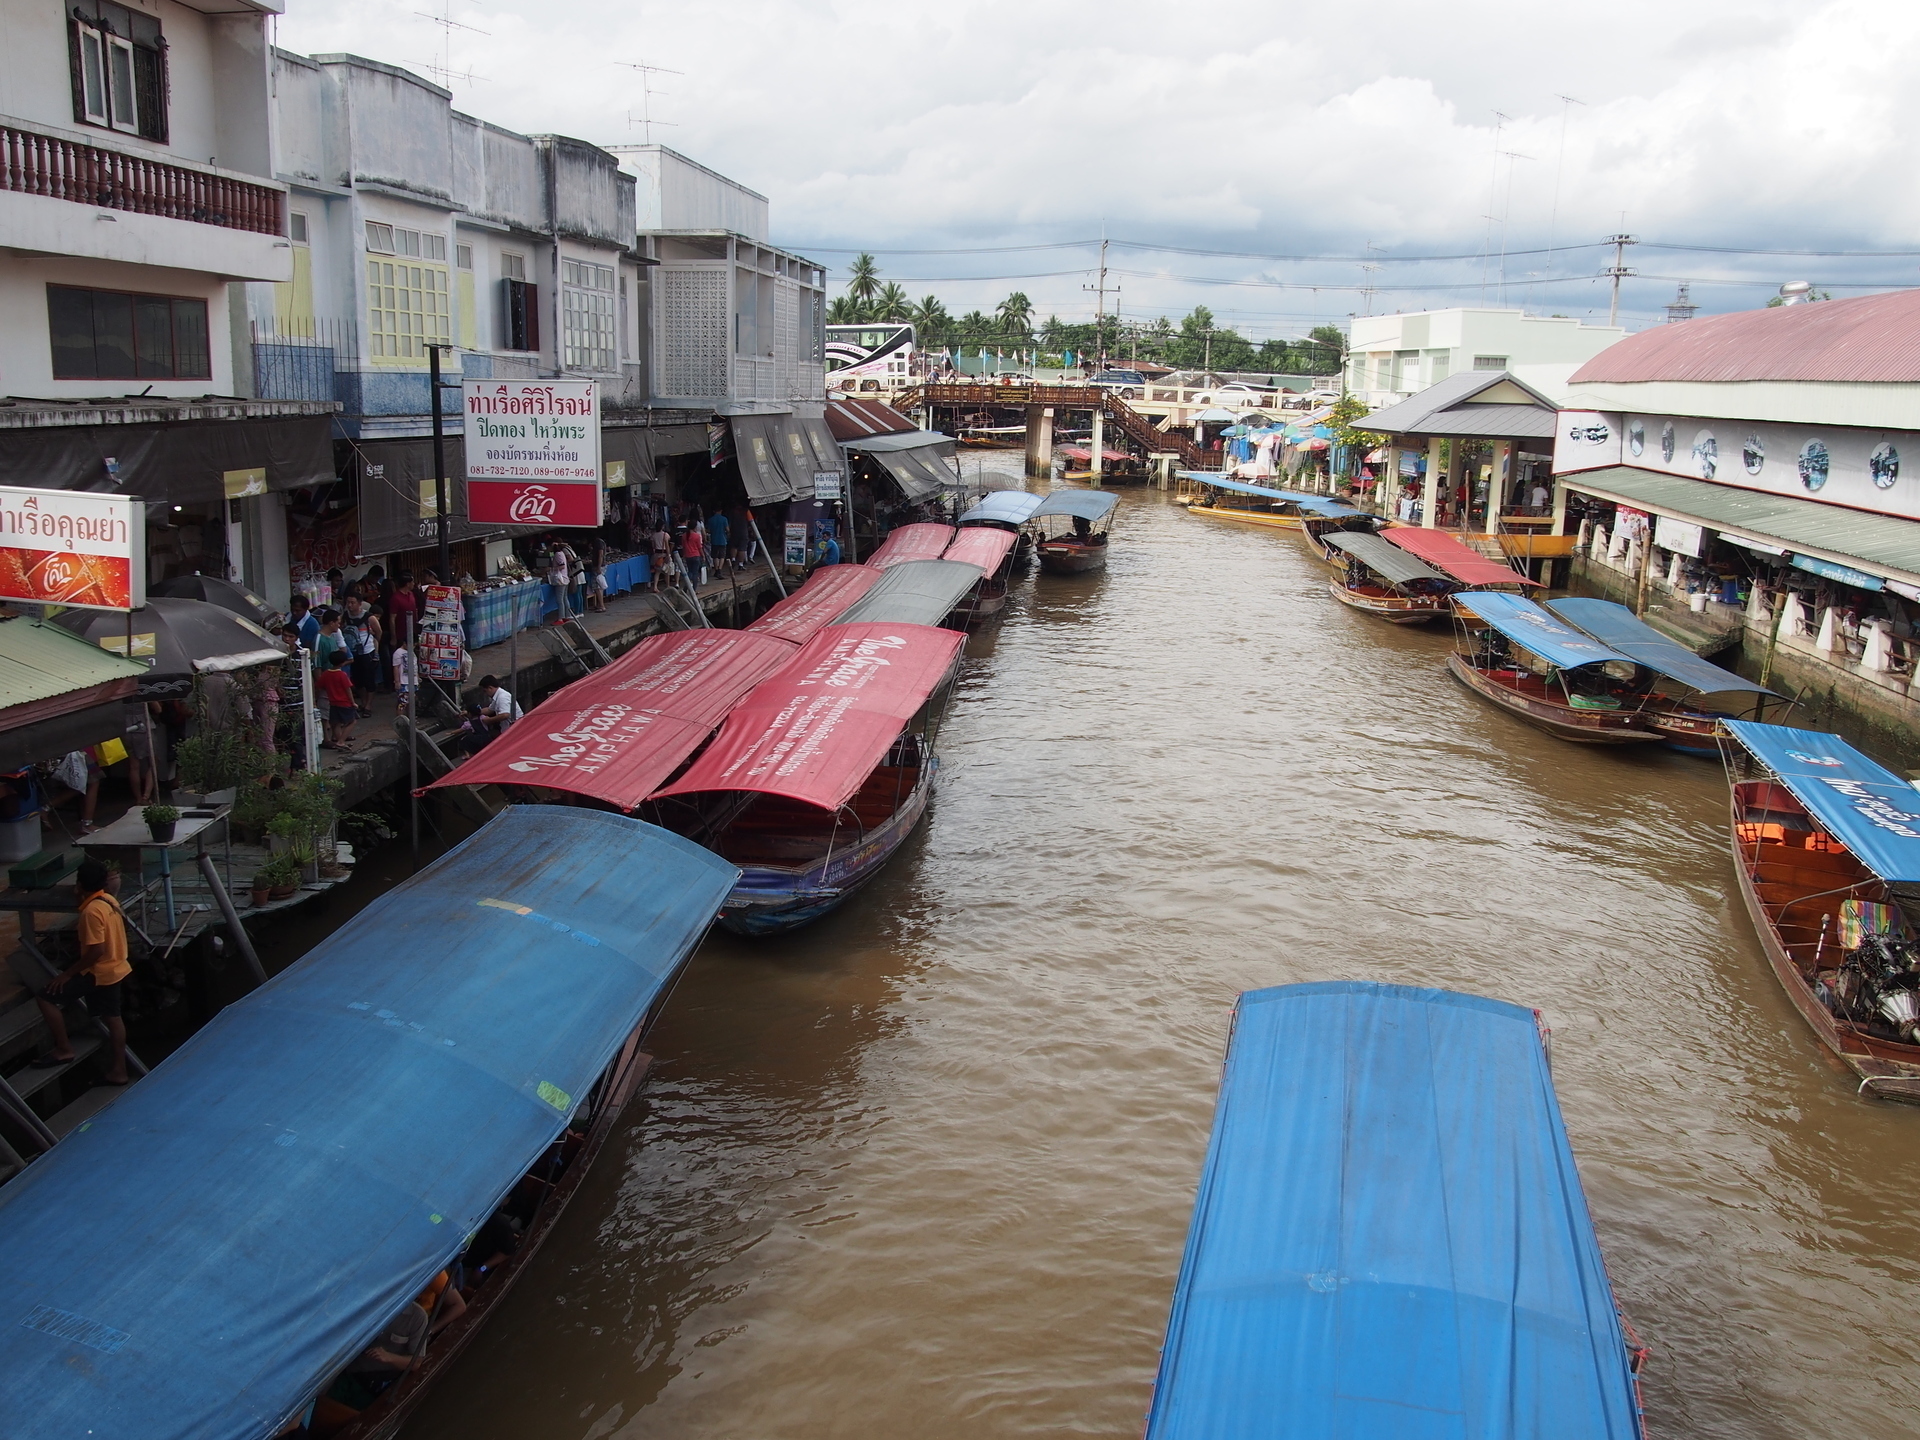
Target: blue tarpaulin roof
(1525,623)
(210,1248)
(1005,507)
(1087,504)
(1614,624)
(1328,508)
(1868,808)
(1390,1238)
(1214,477)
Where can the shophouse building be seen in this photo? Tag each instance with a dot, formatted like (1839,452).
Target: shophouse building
(1390,357)
(137,200)
(1768,455)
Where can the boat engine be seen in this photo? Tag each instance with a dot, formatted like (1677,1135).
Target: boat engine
(1878,986)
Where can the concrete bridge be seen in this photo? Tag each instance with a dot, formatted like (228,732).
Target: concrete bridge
(1042,404)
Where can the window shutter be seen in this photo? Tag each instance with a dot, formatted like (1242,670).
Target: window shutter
(533,315)
(150,90)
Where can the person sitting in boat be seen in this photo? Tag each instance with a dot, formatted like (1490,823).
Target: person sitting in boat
(400,1347)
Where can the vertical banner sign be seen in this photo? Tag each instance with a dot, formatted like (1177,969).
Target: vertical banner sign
(797,544)
(72,547)
(441,638)
(533,452)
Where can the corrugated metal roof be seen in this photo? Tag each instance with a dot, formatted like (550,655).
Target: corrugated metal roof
(1422,413)
(856,419)
(1498,422)
(1829,531)
(1874,338)
(38,662)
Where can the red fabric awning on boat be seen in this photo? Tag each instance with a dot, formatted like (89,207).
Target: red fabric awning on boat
(978,545)
(620,732)
(830,590)
(814,732)
(911,542)
(1083,452)
(1450,557)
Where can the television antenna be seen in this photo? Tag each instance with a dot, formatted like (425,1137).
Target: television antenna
(646,122)
(443,70)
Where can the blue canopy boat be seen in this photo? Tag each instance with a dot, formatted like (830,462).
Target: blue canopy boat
(1593,706)
(1684,726)
(1082,547)
(1390,1238)
(1322,516)
(1224,498)
(1826,843)
(204,1258)
(1008,509)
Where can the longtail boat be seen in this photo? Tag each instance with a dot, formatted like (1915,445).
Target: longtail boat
(816,604)
(1324,517)
(819,775)
(917,592)
(992,550)
(1390,1237)
(1447,555)
(923,541)
(1006,510)
(1385,581)
(1826,844)
(395,1122)
(1219,497)
(1683,722)
(1541,670)
(1081,545)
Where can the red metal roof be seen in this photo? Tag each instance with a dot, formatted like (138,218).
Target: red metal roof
(1447,554)
(624,729)
(860,419)
(1874,338)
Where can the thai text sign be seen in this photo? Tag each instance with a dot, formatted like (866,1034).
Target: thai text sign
(73,547)
(533,452)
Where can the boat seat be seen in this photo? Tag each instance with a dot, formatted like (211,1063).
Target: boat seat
(1777,820)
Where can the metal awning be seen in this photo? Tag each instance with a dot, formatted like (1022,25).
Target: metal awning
(1828,532)
(758,441)
(1002,507)
(915,460)
(1087,504)
(1871,810)
(1533,628)
(914,592)
(1389,562)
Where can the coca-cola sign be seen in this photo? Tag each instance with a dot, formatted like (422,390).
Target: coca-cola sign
(533,451)
(73,547)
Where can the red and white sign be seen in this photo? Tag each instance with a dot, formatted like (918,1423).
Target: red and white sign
(72,547)
(533,452)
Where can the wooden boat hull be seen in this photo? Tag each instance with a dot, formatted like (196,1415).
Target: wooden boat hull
(1395,610)
(1061,557)
(981,608)
(769,899)
(1247,517)
(1691,732)
(1583,727)
(1886,1069)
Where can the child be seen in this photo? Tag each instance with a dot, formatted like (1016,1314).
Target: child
(337,687)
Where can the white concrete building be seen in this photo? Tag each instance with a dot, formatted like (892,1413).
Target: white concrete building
(1390,357)
(137,196)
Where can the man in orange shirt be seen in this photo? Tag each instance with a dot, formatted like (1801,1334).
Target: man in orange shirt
(93,979)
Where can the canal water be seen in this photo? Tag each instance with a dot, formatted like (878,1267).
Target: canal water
(925,1168)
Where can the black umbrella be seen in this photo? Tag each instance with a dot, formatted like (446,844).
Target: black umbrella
(176,639)
(215,591)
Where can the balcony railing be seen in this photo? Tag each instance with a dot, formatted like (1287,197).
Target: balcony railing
(35,164)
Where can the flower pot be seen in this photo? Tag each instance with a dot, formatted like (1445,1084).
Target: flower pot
(162,831)
(261,895)
(282,892)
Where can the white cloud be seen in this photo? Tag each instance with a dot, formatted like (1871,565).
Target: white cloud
(1275,128)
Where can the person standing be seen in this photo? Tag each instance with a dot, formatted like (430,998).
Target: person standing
(693,552)
(560,577)
(662,552)
(304,622)
(94,979)
(718,533)
(337,687)
(361,629)
(597,575)
(403,609)
(330,641)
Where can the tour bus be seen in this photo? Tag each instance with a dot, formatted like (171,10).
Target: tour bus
(869,357)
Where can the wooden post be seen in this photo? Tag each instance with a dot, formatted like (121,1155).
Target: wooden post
(1430,488)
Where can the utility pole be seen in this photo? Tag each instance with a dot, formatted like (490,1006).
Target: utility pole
(434,386)
(1100,308)
(1617,270)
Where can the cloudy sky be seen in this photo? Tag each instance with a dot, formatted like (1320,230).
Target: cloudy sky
(979,146)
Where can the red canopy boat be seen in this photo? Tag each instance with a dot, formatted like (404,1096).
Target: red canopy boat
(816,604)
(925,541)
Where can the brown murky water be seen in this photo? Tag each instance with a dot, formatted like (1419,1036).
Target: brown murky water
(925,1168)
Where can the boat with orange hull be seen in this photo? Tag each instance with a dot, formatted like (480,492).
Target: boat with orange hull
(1385,581)
(1826,847)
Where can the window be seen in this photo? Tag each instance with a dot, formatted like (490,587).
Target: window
(112,335)
(379,238)
(523,314)
(512,266)
(587,308)
(463,257)
(406,309)
(1489,362)
(118,60)
(297,228)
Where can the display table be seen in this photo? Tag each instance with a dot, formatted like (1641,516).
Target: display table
(493,615)
(622,576)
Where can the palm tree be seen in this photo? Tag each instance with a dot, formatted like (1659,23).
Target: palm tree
(931,322)
(863,278)
(1016,315)
(891,303)
(845,310)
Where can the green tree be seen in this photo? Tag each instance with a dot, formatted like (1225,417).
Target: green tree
(845,310)
(933,326)
(891,303)
(863,278)
(1323,352)
(1340,419)
(1015,314)
(976,329)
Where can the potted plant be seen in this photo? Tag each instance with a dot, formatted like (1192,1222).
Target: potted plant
(282,874)
(262,890)
(161,820)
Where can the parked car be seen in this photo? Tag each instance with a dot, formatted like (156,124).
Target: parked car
(1127,384)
